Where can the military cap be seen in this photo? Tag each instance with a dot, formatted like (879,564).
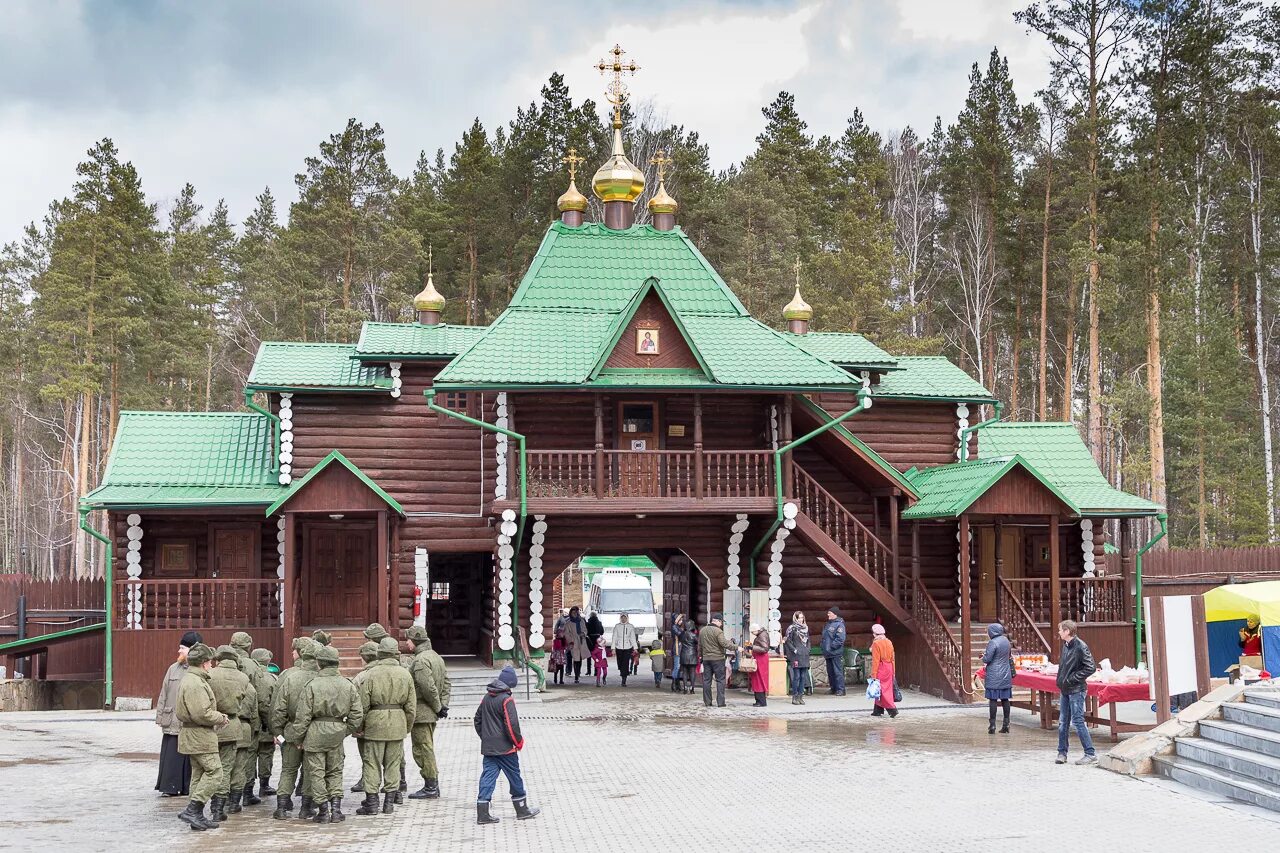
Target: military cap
(241,640)
(327,656)
(227,653)
(368,651)
(309,650)
(301,644)
(375,632)
(416,634)
(262,656)
(198,654)
(321,637)
(388,648)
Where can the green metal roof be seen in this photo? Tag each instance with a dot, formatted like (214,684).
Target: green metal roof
(183,458)
(931,377)
(333,457)
(533,346)
(1057,450)
(285,366)
(846,349)
(411,341)
(744,351)
(948,490)
(634,561)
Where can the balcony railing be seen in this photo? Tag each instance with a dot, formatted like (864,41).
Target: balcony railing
(681,474)
(1081,599)
(197,603)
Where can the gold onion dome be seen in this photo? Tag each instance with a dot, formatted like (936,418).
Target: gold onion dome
(572,199)
(797,308)
(661,201)
(618,179)
(429,299)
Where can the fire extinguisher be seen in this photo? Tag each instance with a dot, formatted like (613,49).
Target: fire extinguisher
(417,601)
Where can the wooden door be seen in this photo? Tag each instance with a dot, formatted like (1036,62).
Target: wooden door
(234,554)
(987,574)
(453,601)
(638,464)
(339,570)
(675,598)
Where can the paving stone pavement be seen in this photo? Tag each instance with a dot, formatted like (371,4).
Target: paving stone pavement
(644,769)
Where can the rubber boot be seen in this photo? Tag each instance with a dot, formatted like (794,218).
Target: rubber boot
(284,805)
(482,814)
(523,812)
(358,786)
(335,810)
(217,809)
(400,792)
(322,812)
(308,810)
(264,787)
(249,798)
(388,803)
(430,791)
(193,816)
(369,806)
(233,801)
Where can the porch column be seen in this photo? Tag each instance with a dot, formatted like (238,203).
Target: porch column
(788,469)
(966,645)
(289,592)
(699,485)
(894,506)
(915,554)
(599,409)
(999,565)
(384,568)
(1055,571)
(1126,566)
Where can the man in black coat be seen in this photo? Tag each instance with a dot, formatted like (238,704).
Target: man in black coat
(498,726)
(1074,668)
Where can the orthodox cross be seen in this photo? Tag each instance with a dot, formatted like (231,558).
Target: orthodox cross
(662,161)
(617,91)
(797,269)
(430,258)
(572,160)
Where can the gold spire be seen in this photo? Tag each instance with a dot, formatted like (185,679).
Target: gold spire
(429,299)
(661,201)
(618,179)
(572,199)
(797,308)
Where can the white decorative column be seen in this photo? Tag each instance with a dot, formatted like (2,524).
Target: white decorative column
(506,583)
(536,637)
(865,376)
(962,423)
(280,566)
(500,448)
(286,439)
(773,427)
(1090,569)
(395,379)
(422,583)
(736,532)
(133,568)
(789,513)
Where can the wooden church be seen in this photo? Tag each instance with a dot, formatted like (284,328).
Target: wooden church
(624,402)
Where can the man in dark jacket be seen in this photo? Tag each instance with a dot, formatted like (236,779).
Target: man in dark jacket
(833,637)
(714,648)
(1074,668)
(500,743)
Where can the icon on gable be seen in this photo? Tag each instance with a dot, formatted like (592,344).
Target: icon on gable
(647,341)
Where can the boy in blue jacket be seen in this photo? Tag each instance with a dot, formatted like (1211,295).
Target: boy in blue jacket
(498,726)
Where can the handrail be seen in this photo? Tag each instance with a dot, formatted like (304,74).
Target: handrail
(830,514)
(1021,625)
(937,633)
(167,603)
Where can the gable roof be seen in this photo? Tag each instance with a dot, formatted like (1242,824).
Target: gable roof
(414,341)
(334,457)
(623,320)
(931,377)
(1057,450)
(948,490)
(189,458)
(847,349)
(289,366)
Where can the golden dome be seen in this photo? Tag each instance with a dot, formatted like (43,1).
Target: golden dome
(661,202)
(572,199)
(618,179)
(429,299)
(797,308)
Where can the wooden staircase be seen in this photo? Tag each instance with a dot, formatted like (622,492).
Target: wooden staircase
(347,641)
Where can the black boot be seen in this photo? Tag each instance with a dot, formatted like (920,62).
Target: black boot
(249,798)
(400,792)
(217,809)
(358,786)
(264,787)
(482,814)
(369,806)
(233,801)
(335,810)
(388,803)
(284,805)
(523,812)
(322,812)
(991,725)
(430,791)
(193,816)
(308,810)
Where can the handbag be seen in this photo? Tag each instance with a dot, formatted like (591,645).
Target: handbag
(897,694)
(746,663)
(873,688)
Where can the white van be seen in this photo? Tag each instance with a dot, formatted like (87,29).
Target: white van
(617,591)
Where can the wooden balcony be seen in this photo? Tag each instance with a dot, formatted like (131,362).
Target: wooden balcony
(196,603)
(647,481)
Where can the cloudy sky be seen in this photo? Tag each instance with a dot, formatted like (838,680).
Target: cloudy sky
(231,95)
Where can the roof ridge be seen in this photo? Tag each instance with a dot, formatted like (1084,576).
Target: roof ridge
(173,413)
(306,344)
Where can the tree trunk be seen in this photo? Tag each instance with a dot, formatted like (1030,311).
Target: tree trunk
(1095,270)
(1043,390)
(1069,364)
(1259,337)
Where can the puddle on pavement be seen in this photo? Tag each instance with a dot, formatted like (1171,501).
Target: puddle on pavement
(139,756)
(30,761)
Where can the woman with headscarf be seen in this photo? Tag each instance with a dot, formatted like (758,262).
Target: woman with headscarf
(1251,636)
(174,778)
(998,677)
(884,669)
(760,654)
(796,648)
(677,626)
(595,630)
(575,642)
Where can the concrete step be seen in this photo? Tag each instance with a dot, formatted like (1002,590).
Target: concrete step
(1207,778)
(1252,714)
(1231,759)
(1265,698)
(1241,736)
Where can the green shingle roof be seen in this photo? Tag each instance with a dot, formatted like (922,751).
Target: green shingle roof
(177,458)
(533,347)
(1057,451)
(948,490)
(400,341)
(285,366)
(744,351)
(845,349)
(931,377)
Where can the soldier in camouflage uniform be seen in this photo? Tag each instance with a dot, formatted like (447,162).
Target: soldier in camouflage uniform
(328,710)
(197,711)
(431,683)
(390,704)
(284,708)
(235,697)
(243,644)
(266,741)
(368,654)
(321,638)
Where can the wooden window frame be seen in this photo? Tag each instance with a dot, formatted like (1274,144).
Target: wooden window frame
(158,569)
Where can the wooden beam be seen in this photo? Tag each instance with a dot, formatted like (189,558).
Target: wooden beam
(895,507)
(1126,566)
(915,554)
(966,606)
(290,580)
(1055,579)
(788,468)
(699,485)
(599,407)
(384,568)
(1159,661)
(393,602)
(1201,639)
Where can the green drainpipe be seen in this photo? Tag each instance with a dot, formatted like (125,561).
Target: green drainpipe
(430,394)
(107,575)
(964,433)
(864,403)
(275,429)
(1138,625)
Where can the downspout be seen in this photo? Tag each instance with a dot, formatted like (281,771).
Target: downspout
(275,429)
(1138,622)
(964,433)
(864,403)
(108,578)
(430,394)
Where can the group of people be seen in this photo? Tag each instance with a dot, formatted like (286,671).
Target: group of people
(223,711)
(577,641)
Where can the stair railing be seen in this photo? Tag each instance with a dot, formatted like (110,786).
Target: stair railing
(933,627)
(1018,624)
(845,529)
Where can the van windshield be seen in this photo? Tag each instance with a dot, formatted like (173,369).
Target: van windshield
(626,601)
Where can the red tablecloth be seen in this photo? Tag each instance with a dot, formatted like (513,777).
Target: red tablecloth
(1105,693)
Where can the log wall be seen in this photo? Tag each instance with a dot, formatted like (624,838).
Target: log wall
(906,433)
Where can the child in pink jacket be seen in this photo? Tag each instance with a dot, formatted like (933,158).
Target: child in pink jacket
(600,656)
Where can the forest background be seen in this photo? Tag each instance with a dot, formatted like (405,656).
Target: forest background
(1105,253)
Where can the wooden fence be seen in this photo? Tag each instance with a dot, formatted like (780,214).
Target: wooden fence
(53,605)
(1195,571)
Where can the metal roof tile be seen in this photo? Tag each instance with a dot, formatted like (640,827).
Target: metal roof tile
(283,364)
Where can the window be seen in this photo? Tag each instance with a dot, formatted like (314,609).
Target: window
(626,601)
(455,401)
(439,591)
